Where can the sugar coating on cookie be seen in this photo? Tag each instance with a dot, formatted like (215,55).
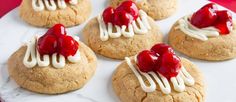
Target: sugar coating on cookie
(207,34)
(45,14)
(157,9)
(128,88)
(121,31)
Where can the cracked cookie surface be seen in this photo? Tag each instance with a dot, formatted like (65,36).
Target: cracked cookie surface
(70,16)
(157,9)
(218,48)
(50,80)
(118,48)
(127,87)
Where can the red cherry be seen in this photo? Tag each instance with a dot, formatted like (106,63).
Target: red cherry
(224,15)
(122,18)
(67,1)
(162,48)
(170,65)
(224,27)
(146,60)
(124,14)
(47,44)
(224,22)
(212,6)
(130,7)
(59,30)
(204,17)
(108,14)
(67,46)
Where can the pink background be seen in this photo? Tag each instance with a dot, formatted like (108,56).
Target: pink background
(8,5)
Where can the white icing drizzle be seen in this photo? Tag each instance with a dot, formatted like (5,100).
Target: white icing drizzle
(106,31)
(29,59)
(58,62)
(152,86)
(33,58)
(178,82)
(39,5)
(42,63)
(74,58)
(61,4)
(191,30)
(50,5)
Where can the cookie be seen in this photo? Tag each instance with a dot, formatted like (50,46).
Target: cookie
(127,87)
(49,80)
(157,9)
(70,14)
(212,42)
(214,49)
(53,63)
(121,31)
(118,48)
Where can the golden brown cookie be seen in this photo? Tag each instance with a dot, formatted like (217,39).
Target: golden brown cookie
(128,89)
(157,9)
(118,48)
(218,48)
(70,16)
(50,80)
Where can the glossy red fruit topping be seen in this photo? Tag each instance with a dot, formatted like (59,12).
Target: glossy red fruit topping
(160,59)
(212,6)
(130,7)
(170,65)
(122,18)
(108,15)
(67,46)
(56,41)
(47,44)
(204,17)
(224,22)
(146,60)
(209,15)
(57,30)
(162,48)
(124,14)
(67,1)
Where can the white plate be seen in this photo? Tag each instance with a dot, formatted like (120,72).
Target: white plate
(219,76)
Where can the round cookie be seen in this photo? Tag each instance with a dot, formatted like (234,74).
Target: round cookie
(118,48)
(218,48)
(70,16)
(157,9)
(50,80)
(128,89)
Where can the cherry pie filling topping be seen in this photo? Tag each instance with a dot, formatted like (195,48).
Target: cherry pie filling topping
(124,14)
(56,40)
(210,15)
(161,58)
